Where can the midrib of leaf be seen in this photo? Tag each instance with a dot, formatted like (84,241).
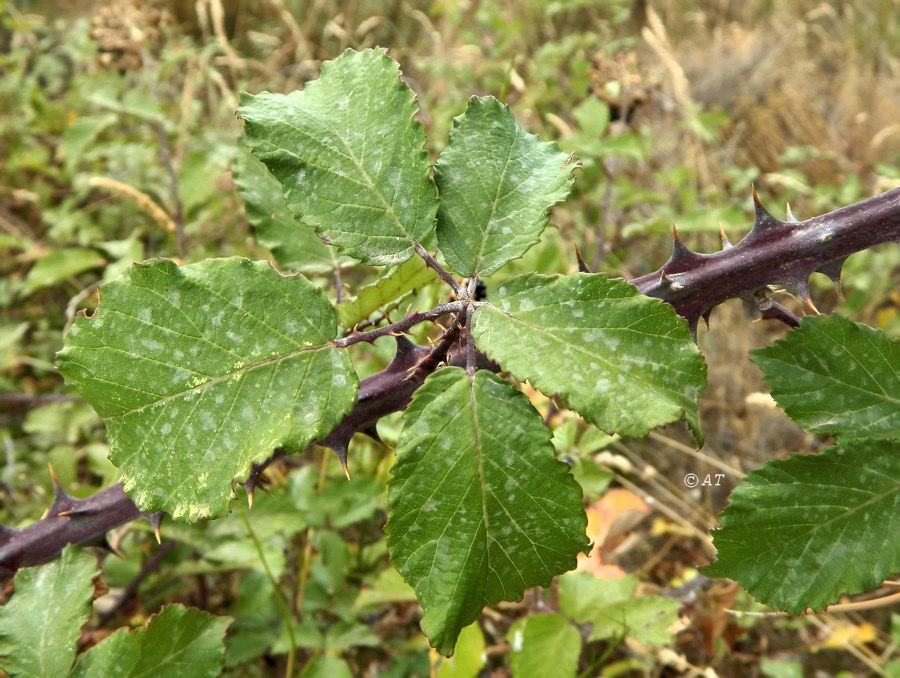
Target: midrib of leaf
(212,380)
(479,460)
(349,155)
(490,223)
(612,365)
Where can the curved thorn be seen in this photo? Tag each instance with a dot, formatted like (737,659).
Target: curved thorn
(764,220)
(833,270)
(693,322)
(680,251)
(790,215)
(582,267)
(155,521)
(726,243)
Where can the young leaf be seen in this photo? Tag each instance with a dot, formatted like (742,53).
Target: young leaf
(497,183)
(479,507)
(832,375)
(624,361)
(350,156)
(179,641)
(469,659)
(42,621)
(59,265)
(405,278)
(201,370)
(801,531)
(544,645)
(294,245)
(646,619)
(581,594)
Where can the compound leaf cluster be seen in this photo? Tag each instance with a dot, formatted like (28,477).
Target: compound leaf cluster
(801,531)
(202,370)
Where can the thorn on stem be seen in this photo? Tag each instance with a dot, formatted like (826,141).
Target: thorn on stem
(764,220)
(155,522)
(582,267)
(790,215)
(726,243)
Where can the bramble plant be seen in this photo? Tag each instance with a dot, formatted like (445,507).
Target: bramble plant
(202,372)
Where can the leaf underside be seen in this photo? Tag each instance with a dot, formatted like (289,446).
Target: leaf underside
(625,362)
(801,531)
(350,156)
(496,183)
(832,375)
(479,507)
(201,370)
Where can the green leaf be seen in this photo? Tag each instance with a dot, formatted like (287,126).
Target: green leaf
(389,587)
(325,666)
(801,531)
(624,361)
(201,370)
(497,183)
(647,619)
(79,136)
(614,609)
(544,645)
(468,659)
(581,594)
(294,245)
(350,156)
(179,641)
(400,281)
(60,265)
(479,507)
(832,375)
(42,621)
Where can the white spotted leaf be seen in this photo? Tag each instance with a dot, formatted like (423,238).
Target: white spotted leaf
(200,371)
(624,361)
(479,508)
(497,183)
(801,531)
(350,156)
(832,375)
(41,623)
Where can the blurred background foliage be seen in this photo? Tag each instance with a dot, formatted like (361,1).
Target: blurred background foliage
(118,136)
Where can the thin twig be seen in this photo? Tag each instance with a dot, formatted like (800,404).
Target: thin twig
(437,268)
(165,151)
(400,326)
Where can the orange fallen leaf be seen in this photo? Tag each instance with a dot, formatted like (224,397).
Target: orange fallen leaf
(616,512)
